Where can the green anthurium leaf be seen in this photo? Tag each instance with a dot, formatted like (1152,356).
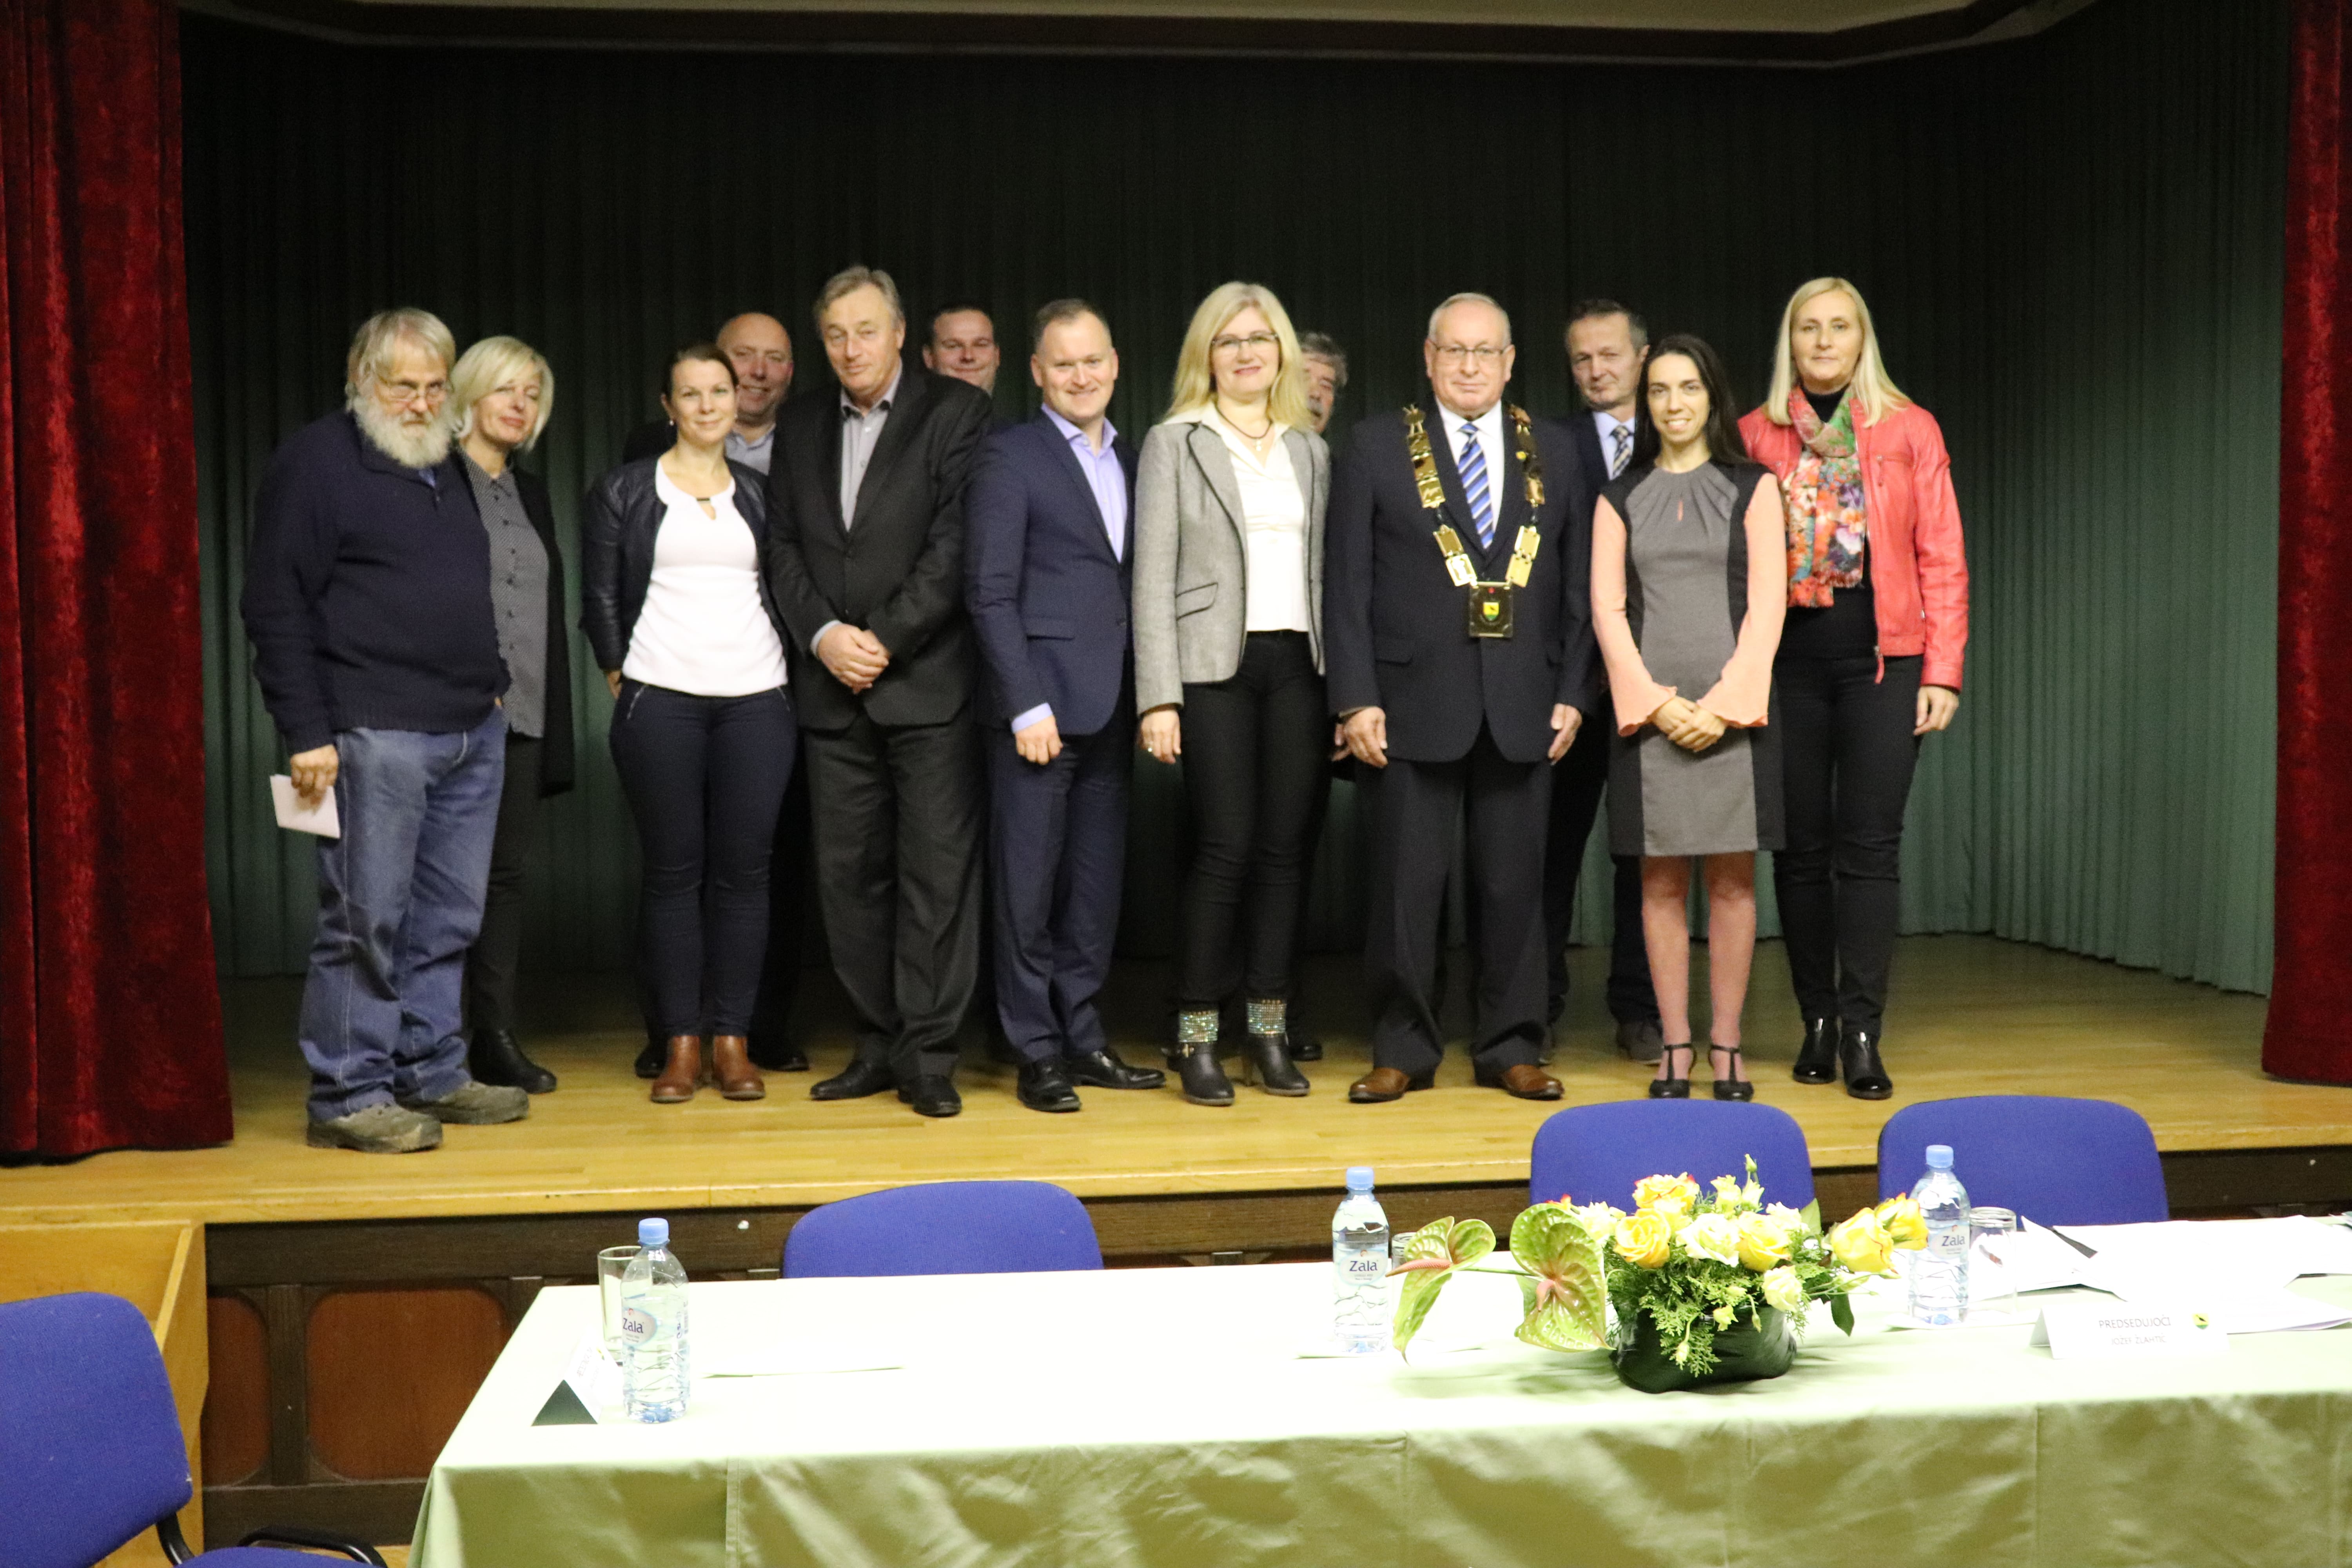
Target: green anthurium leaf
(1567,1297)
(1842,1312)
(1432,1254)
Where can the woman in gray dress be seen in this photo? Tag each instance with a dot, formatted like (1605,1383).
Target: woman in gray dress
(1689,587)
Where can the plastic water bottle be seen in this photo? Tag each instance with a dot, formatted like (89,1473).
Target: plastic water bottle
(1360,1267)
(653,1328)
(1939,1273)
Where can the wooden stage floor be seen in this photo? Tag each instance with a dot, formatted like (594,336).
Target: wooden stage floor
(1972,1015)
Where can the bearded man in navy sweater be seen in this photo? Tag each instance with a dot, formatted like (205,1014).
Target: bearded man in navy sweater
(367,597)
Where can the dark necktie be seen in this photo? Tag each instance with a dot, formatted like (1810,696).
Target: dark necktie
(1621,438)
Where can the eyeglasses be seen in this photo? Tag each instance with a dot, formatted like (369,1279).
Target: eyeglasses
(1261,341)
(1483,355)
(400,394)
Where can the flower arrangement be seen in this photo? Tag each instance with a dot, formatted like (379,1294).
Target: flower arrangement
(1707,1285)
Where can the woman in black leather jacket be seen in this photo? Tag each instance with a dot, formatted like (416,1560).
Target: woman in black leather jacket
(675,607)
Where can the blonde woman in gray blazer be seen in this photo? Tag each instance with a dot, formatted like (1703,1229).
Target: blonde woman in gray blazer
(1229,667)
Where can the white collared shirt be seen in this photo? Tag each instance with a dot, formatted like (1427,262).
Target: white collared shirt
(1489,428)
(1606,424)
(861,429)
(1274,529)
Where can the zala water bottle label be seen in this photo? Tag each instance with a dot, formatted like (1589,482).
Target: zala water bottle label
(1366,1268)
(636,1325)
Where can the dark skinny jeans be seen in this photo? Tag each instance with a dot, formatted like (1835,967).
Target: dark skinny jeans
(1254,751)
(705,776)
(1846,759)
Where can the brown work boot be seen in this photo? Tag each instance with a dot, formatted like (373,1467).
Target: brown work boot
(681,1075)
(731,1064)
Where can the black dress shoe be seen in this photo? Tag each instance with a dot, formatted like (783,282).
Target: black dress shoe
(1865,1075)
(1044,1086)
(932,1095)
(860,1078)
(770,1053)
(496,1057)
(1103,1070)
(1817,1058)
(651,1060)
(1305,1048)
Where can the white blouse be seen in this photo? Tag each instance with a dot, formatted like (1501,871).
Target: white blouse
(1274,532)
(703,630)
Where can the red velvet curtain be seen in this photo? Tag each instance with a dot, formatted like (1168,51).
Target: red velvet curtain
(109,1011)
(2309,1034)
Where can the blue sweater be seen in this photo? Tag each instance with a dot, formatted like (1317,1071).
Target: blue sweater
(367,593)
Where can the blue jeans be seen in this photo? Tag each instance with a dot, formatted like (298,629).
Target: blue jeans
(400,901)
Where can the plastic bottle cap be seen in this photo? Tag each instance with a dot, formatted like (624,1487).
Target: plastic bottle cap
(653,1233)
(1360,1178)
(1939,1156)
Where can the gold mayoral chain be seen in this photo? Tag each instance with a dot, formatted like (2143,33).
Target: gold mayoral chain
(1489,604)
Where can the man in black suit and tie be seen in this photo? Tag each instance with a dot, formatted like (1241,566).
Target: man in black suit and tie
(1462,666)
(1607,346)
(1047,582)
(866,561)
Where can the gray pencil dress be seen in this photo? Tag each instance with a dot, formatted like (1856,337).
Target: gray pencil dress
(1686,594)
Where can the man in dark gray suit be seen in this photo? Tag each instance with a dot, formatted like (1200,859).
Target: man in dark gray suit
(866,561)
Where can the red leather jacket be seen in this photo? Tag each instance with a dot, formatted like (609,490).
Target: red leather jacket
(1918,563)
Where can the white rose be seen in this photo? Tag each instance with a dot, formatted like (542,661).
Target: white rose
(1715,1236)
(1782,1290)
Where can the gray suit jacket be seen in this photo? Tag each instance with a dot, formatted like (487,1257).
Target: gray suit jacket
(1191,564)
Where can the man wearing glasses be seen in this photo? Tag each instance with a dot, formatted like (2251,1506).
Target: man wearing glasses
(1461,668)
(367,597)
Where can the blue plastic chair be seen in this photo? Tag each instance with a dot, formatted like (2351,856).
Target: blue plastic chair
(91,1451)
(2061,1161)
(945,1227)
(1594,1153)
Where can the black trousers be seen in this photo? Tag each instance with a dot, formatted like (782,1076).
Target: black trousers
(1058,851)
(705,776)
(1578,782)
(899,818)
(788,901)
(496,955)
(1254,747)
(1846,758)
(1415,809)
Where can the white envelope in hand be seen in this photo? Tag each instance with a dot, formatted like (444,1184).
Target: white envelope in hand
(298,816)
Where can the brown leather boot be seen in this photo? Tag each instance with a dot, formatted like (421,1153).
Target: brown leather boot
(681,1075)
(731,1064)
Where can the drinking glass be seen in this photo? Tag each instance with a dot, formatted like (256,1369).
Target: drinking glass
(1991,1230)
(611,1264)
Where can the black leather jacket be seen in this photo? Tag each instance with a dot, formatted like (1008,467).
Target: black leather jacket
(618,521)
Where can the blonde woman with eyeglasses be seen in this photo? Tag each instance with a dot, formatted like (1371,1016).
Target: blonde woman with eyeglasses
(1229,667)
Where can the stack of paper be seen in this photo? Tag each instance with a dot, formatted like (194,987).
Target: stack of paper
(2234,1272)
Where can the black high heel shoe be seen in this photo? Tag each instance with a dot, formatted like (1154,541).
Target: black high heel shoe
(1817,1058)
(1728,1088)
(1672,1088)
(1865,1075)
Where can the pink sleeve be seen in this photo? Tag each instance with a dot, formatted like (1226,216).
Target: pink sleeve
(1743,695)
(1634,694)
(1940,558)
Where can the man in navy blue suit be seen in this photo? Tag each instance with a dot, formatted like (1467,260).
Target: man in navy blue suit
(1045,558)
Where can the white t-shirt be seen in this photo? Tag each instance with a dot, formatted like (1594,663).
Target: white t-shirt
(703,630)
(1274,532)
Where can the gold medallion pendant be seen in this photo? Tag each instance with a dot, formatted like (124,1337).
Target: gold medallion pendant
(1488,604)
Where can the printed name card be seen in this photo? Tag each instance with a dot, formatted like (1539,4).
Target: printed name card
(2082,1329)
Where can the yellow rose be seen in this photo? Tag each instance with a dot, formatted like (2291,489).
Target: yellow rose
(1762,1242)
(1732,1196)
(1667,1195)
(1862,1244)
(1645,1240)
(1782,1290)
(1904,1222)
(1715,1236)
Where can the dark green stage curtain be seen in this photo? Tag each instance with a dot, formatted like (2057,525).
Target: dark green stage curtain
(2072,245)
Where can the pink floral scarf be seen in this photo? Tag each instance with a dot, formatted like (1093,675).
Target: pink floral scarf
(1827,529)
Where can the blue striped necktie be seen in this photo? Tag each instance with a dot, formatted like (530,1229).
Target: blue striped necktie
(1474,485)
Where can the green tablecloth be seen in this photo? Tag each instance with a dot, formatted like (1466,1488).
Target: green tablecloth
(1164,1418)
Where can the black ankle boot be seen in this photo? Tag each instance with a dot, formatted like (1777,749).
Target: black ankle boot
(1817,1058)
(496,1056)
(1266,1058)
(1865,1075)
(1197,1072)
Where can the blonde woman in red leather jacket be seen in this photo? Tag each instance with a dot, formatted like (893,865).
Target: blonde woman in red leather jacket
(1869,662)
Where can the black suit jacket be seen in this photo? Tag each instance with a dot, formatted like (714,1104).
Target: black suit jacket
(1048,598)
(1394,626)
(555,759)
(897,571)
(1589,455)
(620,519)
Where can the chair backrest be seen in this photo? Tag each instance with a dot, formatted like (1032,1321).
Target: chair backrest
(1594,1153)
(2056,1160)
(90,1452)
(945,1227)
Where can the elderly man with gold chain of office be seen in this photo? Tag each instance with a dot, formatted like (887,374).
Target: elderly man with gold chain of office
(1454,606)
